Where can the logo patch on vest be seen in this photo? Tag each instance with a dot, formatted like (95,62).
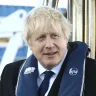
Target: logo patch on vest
(73,71)
(29,70)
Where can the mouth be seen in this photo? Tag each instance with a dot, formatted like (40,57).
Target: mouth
(50,53)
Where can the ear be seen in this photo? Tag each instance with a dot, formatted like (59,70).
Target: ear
(66,40)
(30,44)
(29,52)
(30,47)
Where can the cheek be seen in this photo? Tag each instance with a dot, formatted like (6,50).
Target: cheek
(36,50)
(63,47)
(63,43)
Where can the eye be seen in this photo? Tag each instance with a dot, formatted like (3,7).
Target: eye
(55,36)
(41,38)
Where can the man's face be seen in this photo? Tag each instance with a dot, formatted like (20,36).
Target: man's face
(49,47)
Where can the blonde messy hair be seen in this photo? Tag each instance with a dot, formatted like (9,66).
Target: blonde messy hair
(38,20)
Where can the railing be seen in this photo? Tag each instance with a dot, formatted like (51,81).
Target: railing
(82,14)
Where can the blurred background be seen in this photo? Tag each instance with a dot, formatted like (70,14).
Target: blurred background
(81,13)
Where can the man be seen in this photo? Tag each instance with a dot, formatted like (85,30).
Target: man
(72,73)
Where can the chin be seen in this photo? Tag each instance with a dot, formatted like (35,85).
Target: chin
(50,65)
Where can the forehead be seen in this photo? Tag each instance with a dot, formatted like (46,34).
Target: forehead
(48,28)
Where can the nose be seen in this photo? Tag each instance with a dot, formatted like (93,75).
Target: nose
(49,43)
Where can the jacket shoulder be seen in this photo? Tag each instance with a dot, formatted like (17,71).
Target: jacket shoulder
(91,65)
(90,77)
(12,67)
(9,78)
